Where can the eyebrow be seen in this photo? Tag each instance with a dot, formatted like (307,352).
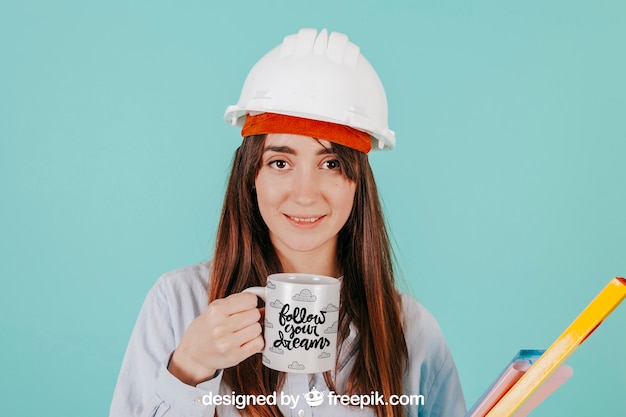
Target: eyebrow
(291,151)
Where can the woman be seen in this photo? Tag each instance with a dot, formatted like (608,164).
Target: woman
(301,198)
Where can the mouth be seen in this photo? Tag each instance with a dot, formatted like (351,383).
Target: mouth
(304,220)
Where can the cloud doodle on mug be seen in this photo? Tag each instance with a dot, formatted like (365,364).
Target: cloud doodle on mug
(276,350)
(305,295)
(323,355)
(332,329)
(276,304)
(266,360)
(330,308)
(296,366)
(270,285)
(269,324)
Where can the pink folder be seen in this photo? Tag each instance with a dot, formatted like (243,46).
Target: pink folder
(511,374)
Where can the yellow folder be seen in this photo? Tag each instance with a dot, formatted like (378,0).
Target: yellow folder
(590,318)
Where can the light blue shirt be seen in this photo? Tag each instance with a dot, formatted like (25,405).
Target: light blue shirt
(146,388)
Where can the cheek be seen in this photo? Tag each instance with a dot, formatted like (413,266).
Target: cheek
(267,193)
(344,197)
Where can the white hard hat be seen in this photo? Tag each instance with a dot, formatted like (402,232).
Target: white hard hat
(319,77)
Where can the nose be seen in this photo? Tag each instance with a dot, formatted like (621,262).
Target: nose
(305,186)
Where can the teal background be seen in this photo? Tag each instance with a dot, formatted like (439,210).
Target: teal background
(506,194)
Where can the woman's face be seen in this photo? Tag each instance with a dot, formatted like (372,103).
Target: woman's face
(303,196)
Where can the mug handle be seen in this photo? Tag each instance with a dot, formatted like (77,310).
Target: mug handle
(258,291)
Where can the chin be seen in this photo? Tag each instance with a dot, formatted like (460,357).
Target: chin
(303,246)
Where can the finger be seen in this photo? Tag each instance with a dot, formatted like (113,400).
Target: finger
(248,349)
(255,345)
(247,334)
(235,303)
(243,319)
(229,344)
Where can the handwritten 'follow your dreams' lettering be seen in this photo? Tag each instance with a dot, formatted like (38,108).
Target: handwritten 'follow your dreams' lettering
(300,323)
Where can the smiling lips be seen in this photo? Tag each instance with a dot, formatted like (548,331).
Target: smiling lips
(304,220)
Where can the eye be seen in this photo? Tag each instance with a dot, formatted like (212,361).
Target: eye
(332,164)
(278,164)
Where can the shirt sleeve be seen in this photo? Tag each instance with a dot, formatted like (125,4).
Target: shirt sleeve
(432,371)
(145,387)
(445,398)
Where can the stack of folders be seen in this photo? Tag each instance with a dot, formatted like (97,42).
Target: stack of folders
(533,375)
(518,366)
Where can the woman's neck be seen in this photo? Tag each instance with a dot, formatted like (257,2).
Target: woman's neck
(310,263)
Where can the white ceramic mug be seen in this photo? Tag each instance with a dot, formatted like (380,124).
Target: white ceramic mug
(301,321)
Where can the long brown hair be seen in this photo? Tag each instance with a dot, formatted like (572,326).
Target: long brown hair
(244,256)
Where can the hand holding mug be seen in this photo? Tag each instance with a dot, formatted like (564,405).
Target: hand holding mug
(226,333)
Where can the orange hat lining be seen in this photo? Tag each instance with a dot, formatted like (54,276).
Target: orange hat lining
(266,123)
